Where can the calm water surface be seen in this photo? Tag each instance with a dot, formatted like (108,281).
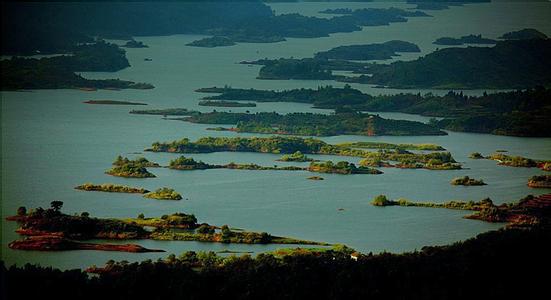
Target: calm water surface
(52,142)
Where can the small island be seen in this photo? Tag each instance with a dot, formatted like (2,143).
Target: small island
(139,161)
(295,157)
(211,42)
(164,194)
(315,178)
(130,170)
(540,181)
(467,181)
(224,103)
(111,188)
(341,167)
(188,163)
(113,102)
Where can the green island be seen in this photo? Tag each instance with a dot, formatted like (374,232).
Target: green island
(296,157)
(528,211)
(111,188)
(164,194)
(516,113)
(289,145)
(113,102)
(467,39)
(134,44)
(540,181)
(58,72)
(381,51)
(210,42)
(342,167)
(224,103)
(311,124)
(139,161)
(130,170)
(188,163)
(524,34)
(124,167)
(51,230)
(467,181)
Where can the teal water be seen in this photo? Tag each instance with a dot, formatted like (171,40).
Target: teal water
(52,142)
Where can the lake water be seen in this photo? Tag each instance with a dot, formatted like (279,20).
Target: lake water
(52,142)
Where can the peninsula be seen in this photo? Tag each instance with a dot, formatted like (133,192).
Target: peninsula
(51,230)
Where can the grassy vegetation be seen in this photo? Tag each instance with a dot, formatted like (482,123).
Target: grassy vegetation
(175,220)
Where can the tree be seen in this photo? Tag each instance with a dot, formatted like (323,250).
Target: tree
(85,214)
(56,205)
(381,200)
(141,216)
(226,234)
(205,229)
(21,211)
